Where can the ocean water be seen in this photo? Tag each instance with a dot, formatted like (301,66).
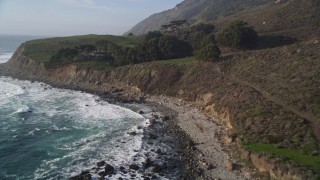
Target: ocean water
(9,43)
(50,133)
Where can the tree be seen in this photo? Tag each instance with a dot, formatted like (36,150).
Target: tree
(87,48)
(209,39)
(63,56)
(157,48)
(210,52)
(197,33)
(170,47)
(203,28)
(174,27)
(238,35)
(152,34)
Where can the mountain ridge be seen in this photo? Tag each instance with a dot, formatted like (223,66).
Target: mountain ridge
(194,11)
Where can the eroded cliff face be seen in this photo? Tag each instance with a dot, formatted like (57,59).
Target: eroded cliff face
(21,64)
(203,85)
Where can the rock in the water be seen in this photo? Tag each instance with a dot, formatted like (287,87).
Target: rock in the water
(147,163)
(133,133)
(158,151)
(87,177)
(81,177)
(101,163)
(153,136)
(75,178)
(141,112)
(210,167)
(134,167)
(84,172)
(102,174)
(166,118)
(152,121)
(157,168)
(121,168)
(108,169)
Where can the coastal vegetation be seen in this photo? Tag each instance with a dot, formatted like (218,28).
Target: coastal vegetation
(43,49)
(119,51)
(238,35)
(289,154)
(262,76)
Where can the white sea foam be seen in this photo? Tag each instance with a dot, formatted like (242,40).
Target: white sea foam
(8,89)
(5,57)
(23,109)
(107,125)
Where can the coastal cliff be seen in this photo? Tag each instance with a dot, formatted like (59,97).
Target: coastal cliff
(252,118)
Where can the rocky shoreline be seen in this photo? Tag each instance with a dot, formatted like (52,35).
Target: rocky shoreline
(163,154)
(211,155)
(198,139)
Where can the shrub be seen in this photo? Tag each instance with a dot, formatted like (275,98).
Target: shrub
(171,47)
(158,48)
(209,49)
(152,35)
(64,55)
(209,39)
(209,52)
(87,48)
(198,33)
(238,35)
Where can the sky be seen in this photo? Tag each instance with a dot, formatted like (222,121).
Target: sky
(76,17)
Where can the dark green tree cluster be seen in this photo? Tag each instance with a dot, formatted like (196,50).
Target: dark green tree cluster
(197,40)
(196,34)
(152,35)
(107,46)
(155,47)
(174,27)
(238,35)
(209,50)
(64,55)
(87,48)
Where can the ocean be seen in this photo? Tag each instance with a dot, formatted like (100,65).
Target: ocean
(9,43)
(51,133)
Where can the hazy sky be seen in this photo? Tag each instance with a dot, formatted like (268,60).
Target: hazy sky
(74,17)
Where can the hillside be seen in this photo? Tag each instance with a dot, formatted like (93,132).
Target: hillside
(267,96)
(194,11)
(265,15)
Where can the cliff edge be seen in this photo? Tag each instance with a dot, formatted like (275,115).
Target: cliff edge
(272,118)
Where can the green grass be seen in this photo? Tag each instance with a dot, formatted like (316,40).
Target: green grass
(188,60)
(43,49)
(297,156)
